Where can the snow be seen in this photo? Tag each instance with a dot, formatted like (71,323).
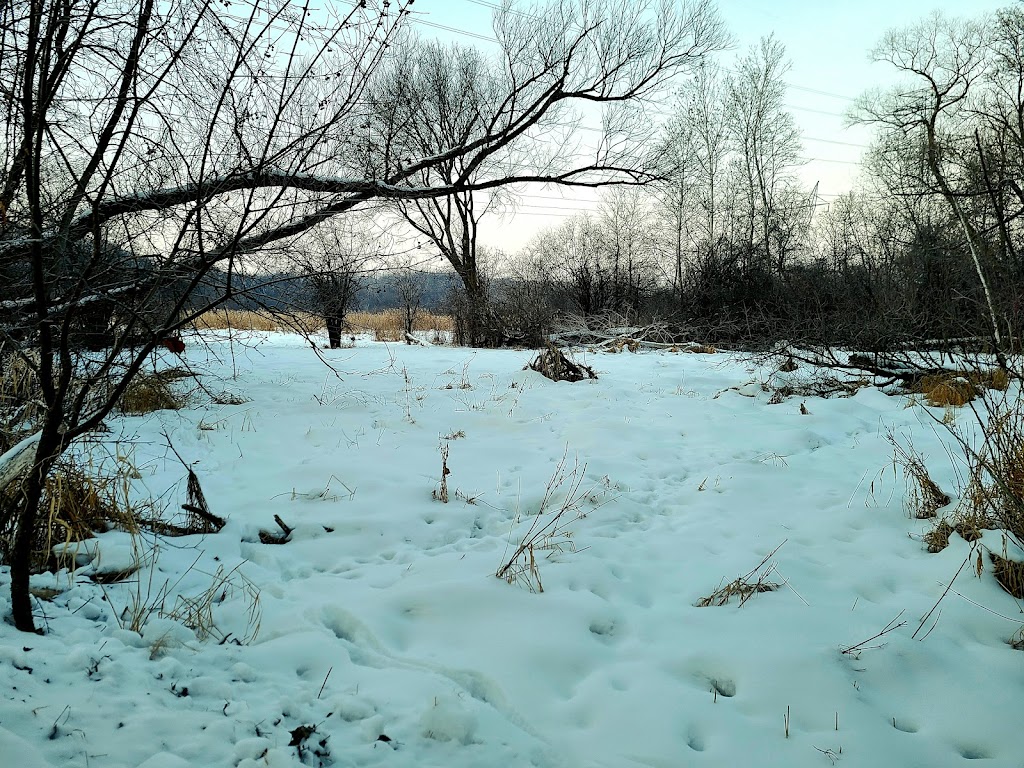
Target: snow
(381,624)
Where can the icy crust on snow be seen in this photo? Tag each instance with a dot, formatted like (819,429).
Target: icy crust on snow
(383,629)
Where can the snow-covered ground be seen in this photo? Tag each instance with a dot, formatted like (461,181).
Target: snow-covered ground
(381,623)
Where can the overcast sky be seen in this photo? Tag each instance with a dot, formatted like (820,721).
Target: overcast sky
(828,43)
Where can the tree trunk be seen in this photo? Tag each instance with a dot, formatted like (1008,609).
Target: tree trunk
(475,329)
(334,323)
(46,454)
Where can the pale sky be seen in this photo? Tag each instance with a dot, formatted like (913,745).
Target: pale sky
(828,44)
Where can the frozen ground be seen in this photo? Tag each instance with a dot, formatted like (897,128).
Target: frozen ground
(382,616)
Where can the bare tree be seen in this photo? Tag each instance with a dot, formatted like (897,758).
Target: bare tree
(437,96)
(767,144)
(602,262)
(432,97)
(630,247)
(695,143)
(334,259)
(960,115)
(410,298)
(568,257)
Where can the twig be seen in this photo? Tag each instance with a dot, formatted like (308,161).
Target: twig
(941,597)
(214,520)
(324,683)
(890,627)
(284,527)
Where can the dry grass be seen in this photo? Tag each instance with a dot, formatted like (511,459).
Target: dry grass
(937,539)
(924,497)
(971,524)
(81,499)
(1017,641)
(694,349)
(390,326)
(549,532)
(999,476)
(196,611)
(754,582)
(150,392)
(18,382)
(1009,574)
(20,404)
(994,497)
(385,326)
(957,388)
(248,320)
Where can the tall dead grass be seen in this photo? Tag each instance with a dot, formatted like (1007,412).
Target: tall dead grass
(387,325)
(80,498)
(248,320)
(20,404)
(996,489)
(149,392)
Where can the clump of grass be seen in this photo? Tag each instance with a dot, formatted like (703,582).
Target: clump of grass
(1017,641)
(924,497)
(18,380)
(957,388)
(995,493)
(1009,574)
(149,392)
(937,539)
(20,404)
(951,393)
(699,349)
(81,499)
(197,611)
(754,582)
(970,524)
(44,593)
(1000,470)
(228,398)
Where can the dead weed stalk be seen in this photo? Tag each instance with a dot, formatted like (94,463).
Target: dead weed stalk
(565,502)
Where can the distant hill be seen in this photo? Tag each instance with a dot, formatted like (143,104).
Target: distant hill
(285,291)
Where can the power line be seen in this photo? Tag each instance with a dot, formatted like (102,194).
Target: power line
(496,7)
(454,30)
(835,141)
(828,160)
(815,111)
